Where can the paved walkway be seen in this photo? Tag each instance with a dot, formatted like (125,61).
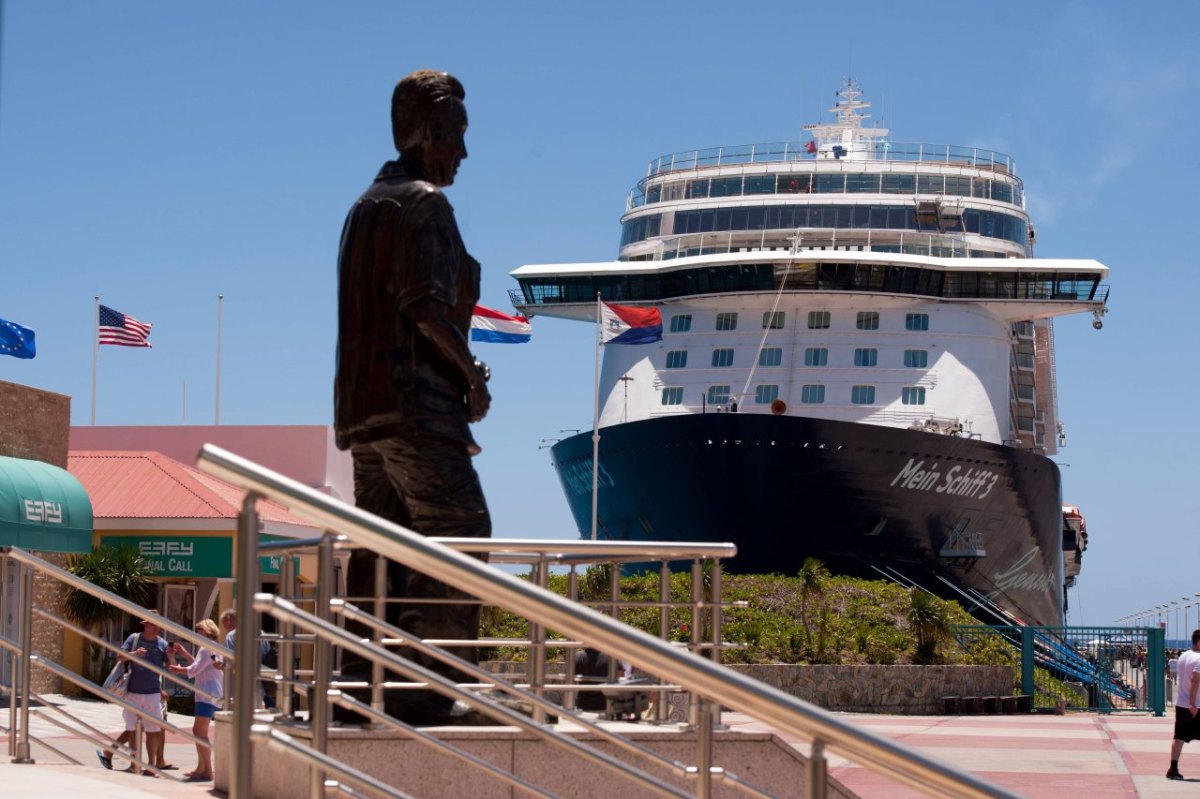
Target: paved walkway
(1040,757)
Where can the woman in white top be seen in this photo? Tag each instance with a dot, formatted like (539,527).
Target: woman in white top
(205,670)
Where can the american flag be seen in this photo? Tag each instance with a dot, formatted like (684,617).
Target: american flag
(122,329)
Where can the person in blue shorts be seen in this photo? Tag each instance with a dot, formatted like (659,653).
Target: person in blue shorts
(204,668)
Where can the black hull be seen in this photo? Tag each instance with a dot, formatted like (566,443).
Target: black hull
(866,500)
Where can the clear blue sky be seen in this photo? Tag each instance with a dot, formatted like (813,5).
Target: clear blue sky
(159,154)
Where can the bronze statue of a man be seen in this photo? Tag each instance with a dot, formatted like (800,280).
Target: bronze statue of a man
(407,386)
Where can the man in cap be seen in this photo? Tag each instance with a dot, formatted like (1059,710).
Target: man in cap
(145,691)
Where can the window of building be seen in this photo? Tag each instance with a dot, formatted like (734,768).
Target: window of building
(916,358)
(718,395)
(681,323)
(816,356)
(774,320)
(672,395)
(676,359)
(818,320)
(864,356)
(766,394)
(812,394)
(770,356)
(912,395)
(727,321)
(722,357)
(916,321)
(867,320)
(862,395)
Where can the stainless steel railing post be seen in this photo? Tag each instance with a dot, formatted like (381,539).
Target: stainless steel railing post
(662,711)
(537,640)
(704,754)
(814,787)
(318,699)
(246,652)
(718,621)
(24,664)
(694,634)
(380,611)
(284,690)
(570,697)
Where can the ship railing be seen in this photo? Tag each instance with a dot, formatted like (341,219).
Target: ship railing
(778,152)
(708,681)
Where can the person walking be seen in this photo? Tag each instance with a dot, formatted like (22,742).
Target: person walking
(145,692)
(1187,722)
(203,669)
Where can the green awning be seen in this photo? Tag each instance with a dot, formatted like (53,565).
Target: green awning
(43,508)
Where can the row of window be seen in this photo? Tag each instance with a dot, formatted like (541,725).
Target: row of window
(838,183)
(813,356)
(817,320)
(852,217)
(971,283)
(810,394)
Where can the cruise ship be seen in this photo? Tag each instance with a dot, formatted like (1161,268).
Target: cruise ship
(857,364)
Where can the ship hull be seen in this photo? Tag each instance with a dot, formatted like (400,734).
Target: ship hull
(869,501)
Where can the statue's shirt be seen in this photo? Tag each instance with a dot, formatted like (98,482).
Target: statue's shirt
(401,255)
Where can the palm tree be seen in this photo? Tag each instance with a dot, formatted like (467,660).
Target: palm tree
(812,575)
(927,617)
(120,570)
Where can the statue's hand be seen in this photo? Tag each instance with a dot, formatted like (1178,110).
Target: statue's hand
(478,401)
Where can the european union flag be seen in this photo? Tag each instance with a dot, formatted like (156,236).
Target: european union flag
(16,341)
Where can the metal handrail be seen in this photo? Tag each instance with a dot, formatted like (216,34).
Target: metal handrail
(735,691)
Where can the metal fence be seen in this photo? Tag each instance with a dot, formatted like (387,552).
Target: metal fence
(1105,669)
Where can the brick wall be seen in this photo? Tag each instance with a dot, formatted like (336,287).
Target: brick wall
(36,424)
(36,427)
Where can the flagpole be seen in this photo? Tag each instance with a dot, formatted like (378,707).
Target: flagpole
(596,423)
(217,410)
(95,353)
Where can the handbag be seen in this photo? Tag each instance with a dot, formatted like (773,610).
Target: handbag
(117,681)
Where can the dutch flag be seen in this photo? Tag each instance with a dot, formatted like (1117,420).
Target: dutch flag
(624,324)
(498,328)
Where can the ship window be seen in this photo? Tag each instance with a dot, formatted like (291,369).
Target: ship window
(867,320)
(722,357)
(831,184)
(862,395)
(727,321)
(760,185)
(795,184)
(912,395)
(931,184)
(770,356)
(958,185)
(681,323)
(774,320)
(816,356)
(916,321)
(672,395)
(818,320)
(864,356)
(677,359)
(899,184)
(725,187)
(916,358)
(862,184)
(696,189)
(718,395)
(812,394)
(765,394)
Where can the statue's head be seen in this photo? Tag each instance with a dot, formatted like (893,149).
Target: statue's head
(429,121)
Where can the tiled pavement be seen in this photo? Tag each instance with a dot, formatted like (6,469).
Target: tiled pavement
(1040,757)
